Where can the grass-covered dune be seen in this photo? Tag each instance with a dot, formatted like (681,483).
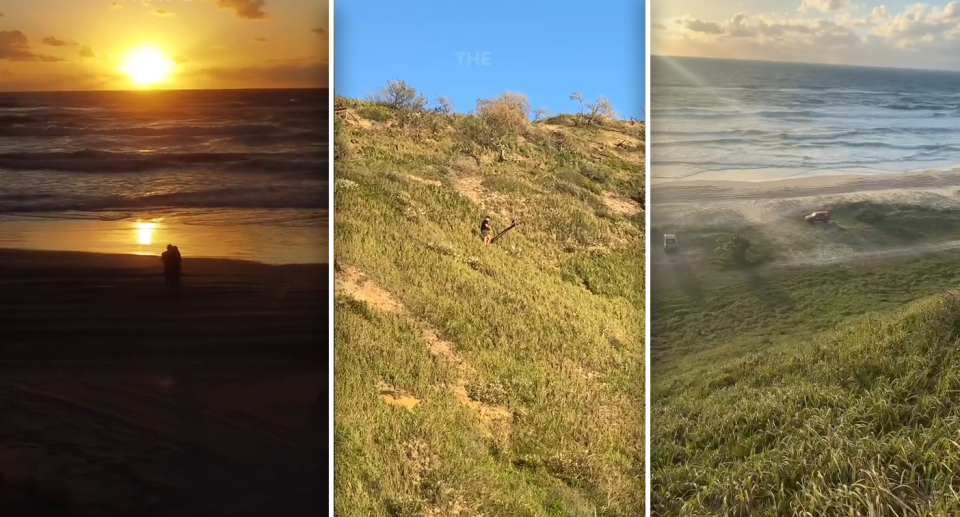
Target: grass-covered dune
(487,380)
(862,420)
(828,386)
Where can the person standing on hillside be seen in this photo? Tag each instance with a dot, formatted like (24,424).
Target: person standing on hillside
(486,230)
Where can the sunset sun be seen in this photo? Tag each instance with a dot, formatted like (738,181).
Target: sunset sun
(146,67)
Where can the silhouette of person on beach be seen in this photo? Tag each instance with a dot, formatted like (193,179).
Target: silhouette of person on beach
(171,267)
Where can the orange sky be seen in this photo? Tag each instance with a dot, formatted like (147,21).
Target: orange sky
(80,45)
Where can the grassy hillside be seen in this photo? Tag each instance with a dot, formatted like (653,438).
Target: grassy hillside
(860,421)
(487,380)
(824,390)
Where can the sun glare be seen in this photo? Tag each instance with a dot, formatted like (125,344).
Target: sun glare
(147,66)
(145,232)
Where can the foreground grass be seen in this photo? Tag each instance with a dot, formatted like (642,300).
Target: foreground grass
(550,319)
(860,421)
(701,315)
(817,391)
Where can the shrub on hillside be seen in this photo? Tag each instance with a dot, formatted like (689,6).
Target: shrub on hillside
(599,111)
(735,248)
(493,125)
(501,120)
(473,135)
(592,113)
(444,105)
(399,95)
(505,116)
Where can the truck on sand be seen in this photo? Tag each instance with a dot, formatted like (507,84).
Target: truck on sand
(670,243)
(820,215)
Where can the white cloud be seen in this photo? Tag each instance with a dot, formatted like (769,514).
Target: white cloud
(922,26)
(828,30)
(773,30)
(702,26)
(825,6)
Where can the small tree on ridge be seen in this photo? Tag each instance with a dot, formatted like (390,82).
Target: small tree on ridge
(504,118)
(399,95)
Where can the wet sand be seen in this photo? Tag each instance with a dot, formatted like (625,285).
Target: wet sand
(734,189)
(118,398)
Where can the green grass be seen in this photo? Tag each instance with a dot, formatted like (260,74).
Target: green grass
(751,308)
(860,421)
(900,222)
(817,391)
(550,319)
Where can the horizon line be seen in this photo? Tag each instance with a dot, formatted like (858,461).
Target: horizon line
(169,90)
(797,62)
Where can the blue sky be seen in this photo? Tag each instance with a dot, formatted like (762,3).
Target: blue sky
(546,50)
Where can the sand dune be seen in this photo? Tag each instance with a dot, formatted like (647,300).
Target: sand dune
(126,400)
(776,208)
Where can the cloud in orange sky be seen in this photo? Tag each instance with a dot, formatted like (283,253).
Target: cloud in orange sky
(56,42)
(86,51)
(246,9)
(304,73)
(14,46)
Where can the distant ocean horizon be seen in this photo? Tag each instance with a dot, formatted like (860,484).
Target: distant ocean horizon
(247,165)
(717,119)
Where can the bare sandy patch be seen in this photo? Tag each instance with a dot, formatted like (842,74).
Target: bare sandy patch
(509,208)
(351,117)
(352,282)
(620,205)
(395,397)
(472,188)
(424,181)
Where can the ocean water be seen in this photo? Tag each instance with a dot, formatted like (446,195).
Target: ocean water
(723,119)
(234,174)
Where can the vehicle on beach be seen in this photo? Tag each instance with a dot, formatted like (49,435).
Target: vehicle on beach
(822,216)
(670,243)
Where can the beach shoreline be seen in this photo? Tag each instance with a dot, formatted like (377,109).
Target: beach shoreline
(79,304)
(683,191)
(214,398)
